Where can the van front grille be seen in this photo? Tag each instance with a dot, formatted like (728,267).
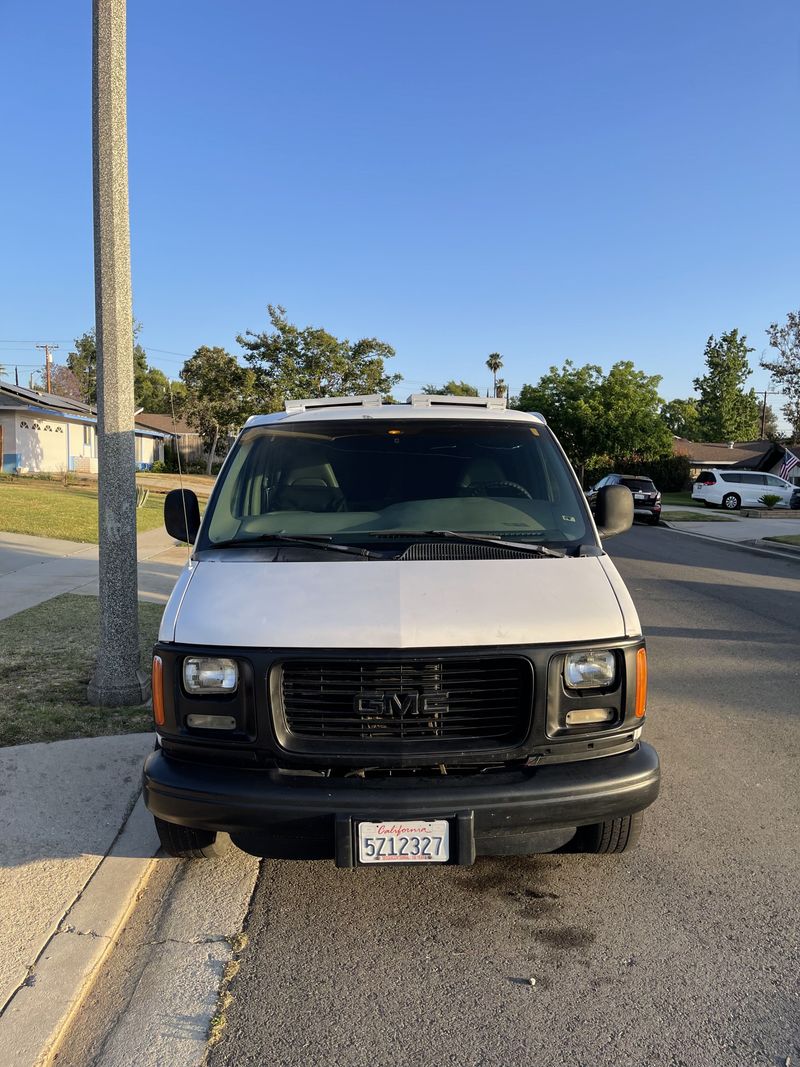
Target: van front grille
(427,699)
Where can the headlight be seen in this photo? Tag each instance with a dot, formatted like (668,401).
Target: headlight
(210,674)
(589,670)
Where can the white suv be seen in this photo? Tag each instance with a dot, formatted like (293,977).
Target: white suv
(733,489)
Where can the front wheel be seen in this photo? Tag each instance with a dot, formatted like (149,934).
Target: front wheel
(612,835)
(731,502)
(188,844)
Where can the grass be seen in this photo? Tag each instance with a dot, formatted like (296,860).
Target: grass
(693,516)
(684,498)
(51,509)
(46,659)
(786,539)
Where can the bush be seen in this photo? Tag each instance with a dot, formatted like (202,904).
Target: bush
(769,500)
(158,467)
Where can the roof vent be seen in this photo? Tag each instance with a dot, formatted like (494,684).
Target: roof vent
(295,406)
(431,400)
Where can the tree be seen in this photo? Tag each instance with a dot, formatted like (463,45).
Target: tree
(568,400)
(150,385)
(726,412)
(218,395)
(612,418)
(83,364)
(288,361)
(682,418)
(63,382)
(771,431)
(451,388)
(785,366)
(494,363)
(630,425)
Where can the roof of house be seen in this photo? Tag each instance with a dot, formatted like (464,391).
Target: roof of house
(164,423)
(16,394)
(753,455)
(15,397)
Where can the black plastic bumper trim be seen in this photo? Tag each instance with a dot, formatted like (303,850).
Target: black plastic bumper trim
(307,807)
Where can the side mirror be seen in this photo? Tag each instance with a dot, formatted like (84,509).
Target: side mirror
(614,510)
(182,515)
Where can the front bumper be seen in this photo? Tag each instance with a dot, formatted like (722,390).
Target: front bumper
(309,816)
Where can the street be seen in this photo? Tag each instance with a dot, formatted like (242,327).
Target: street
(684,952)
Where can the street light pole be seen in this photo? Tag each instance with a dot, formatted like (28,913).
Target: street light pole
(117,680)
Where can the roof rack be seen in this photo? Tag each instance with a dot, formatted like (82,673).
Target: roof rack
(430,400)
(372,401)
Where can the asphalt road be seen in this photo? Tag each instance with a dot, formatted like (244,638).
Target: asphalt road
(683,953)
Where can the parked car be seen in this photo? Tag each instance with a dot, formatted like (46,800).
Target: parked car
(794,502)
(732,489)
(399,640)
(646,498)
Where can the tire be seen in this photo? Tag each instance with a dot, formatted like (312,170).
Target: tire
(731,502)
(188,844)
(613,835)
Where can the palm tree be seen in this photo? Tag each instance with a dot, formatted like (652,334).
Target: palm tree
(494,363)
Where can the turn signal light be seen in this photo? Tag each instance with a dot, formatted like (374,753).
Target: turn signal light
(641,683)
(158,691)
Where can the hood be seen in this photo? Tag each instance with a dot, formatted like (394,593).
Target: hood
(396,604)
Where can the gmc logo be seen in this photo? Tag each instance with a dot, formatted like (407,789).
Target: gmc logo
(397,704)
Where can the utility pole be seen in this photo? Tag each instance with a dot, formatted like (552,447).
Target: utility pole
(766,392)
(117,680)
(47,363)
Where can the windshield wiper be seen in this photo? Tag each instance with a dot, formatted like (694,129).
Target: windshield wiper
(322,541)
(471,538)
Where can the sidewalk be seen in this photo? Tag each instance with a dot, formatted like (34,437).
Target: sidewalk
(81,932)
(35,569)
(737,530)
(66,877)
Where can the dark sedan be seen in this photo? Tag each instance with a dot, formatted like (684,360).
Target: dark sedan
(646,498)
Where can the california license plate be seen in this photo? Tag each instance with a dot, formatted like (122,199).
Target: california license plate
(638,496)
(413,841)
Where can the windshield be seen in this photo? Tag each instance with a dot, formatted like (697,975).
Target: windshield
(639,485)
(354,481)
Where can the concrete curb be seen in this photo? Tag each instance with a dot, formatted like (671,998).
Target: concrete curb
(746,546)
(38,1013)
(793,550)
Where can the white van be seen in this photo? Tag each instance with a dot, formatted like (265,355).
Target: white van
(735,489)
(399,640)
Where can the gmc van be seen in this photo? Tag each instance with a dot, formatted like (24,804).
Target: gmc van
(399,640)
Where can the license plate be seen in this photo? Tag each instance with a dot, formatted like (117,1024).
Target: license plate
(412,841)
(638,496)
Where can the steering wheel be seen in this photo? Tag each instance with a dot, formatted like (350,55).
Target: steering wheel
(483,489)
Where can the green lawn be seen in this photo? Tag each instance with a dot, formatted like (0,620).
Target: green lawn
(786,539)
(46,659)
(681,498)
(693,516)
(50,509)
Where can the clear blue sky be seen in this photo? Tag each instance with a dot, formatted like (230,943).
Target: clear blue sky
(590,180)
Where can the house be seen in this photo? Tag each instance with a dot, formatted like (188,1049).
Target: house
(179,434)
(762,456)
(41,433)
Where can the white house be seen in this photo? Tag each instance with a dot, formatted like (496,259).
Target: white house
(41,433)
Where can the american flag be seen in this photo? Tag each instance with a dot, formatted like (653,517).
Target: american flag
(789,464)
